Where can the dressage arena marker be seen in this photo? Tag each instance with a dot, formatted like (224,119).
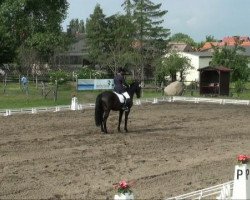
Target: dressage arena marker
(155,101)
(33,111)
(241,189)
(76,106)
(137,102)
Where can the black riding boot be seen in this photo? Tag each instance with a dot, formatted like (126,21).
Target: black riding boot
(126,105)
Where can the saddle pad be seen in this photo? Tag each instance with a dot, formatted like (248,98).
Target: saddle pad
(121,97)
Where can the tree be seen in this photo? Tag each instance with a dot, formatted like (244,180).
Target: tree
(7,49)
(181,37)
(96,34)
(22,19)
(119,41)
(231,57)
(75,27)
(171,65)
(147,18)
(127,5)
(210,38)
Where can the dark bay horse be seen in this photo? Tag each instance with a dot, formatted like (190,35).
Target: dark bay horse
(108,100)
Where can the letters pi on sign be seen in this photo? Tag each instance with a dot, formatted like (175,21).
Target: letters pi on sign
(242,174)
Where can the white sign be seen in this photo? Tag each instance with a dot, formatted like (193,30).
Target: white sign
(95,84)
(101,84)
(241,189)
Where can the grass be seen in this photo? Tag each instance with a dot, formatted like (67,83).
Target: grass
(14,97)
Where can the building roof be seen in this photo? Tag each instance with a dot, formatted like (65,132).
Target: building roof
(228,41)
(217,68)
(180,47)
(210,53)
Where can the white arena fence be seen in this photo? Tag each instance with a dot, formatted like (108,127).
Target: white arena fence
(7,112)
(194,100)
(222,191)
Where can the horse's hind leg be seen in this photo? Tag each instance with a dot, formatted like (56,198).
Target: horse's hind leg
(126,121)
(120,119)
(102,129)
(105,117)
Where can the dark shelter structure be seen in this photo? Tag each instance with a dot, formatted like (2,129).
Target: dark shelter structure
(214,80)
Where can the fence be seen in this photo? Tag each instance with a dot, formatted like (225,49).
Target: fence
(221,191)
(7,112)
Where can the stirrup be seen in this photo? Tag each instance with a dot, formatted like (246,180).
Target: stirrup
(125,108)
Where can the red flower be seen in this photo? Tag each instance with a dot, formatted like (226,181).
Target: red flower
(123,184)
(243,159)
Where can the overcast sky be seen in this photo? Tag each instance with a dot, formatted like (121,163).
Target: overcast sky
(196,18)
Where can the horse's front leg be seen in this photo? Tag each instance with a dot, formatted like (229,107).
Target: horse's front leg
(105,117)
(120,119)
(126,120)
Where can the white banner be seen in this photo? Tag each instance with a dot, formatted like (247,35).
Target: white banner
(95,84)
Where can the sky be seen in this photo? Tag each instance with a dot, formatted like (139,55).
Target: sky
(196,18)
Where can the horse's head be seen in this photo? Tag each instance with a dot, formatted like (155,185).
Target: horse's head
(136,88)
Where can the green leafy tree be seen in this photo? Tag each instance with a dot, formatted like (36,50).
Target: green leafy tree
(128,5)
(96,35)
(210,38)
(87,73)
(75,26)
(151,35)
(7,49)
(22,19)
(171,65)
(119,41)
(46,44)
(181,37)
(239,87)
(231,57)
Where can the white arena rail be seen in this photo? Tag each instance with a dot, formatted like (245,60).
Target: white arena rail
(210,100)
(7,112)
(221,191)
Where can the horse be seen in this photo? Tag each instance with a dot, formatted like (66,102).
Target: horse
(108,100)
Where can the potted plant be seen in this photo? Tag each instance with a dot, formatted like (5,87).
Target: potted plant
(124,191)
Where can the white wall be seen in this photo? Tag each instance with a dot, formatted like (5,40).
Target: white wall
(196,62)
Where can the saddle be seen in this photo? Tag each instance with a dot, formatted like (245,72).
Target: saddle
(122,96)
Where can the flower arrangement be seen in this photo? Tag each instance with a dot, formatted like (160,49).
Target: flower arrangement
(124,187)
(243,159)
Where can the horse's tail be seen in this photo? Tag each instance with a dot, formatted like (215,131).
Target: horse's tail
(98,110)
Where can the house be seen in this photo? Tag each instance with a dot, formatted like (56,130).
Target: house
(76,56)
(200,60)
(203,57)
(197,60)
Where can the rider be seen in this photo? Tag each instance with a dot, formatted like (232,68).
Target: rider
(120,87)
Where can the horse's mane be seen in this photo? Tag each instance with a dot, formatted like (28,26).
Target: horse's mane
(134,82)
